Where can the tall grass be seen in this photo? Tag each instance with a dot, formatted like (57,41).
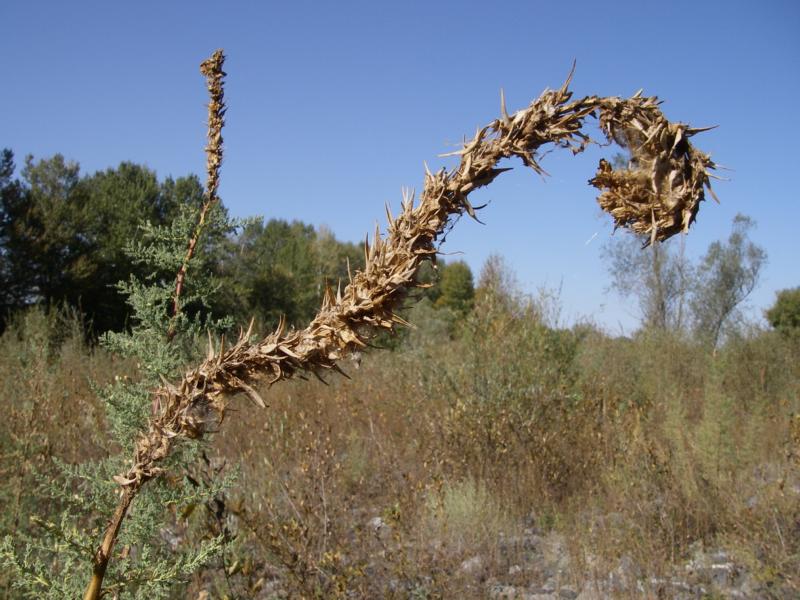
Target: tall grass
(49,411)
(439,452)
(446,449)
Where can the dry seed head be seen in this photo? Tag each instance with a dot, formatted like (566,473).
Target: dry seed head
(211,69)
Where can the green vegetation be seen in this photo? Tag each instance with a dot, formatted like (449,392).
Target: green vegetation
(639,447)
(675,295)
(45,550)
(65,242)
(784,315)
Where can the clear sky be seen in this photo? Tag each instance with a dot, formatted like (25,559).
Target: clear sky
(333,106)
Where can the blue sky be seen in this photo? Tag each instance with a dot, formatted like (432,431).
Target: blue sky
(334,106)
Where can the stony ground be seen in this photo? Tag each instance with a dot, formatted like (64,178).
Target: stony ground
(546,574)
(544,571)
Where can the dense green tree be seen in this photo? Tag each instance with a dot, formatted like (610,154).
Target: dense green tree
(64,238)
(457,287)
(146,201)
(48,240)
(280,269)
(110,229)
(784,315)
(13,273)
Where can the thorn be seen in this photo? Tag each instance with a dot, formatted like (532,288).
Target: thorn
(711,191)
(470,210)
(281,326)
(318,376)
(252,394)
(339,370)
(569,77)
(250,328)
(503,111)
(210,355)
(694,130)
(389,215)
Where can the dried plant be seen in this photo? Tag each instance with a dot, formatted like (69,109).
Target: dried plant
(658,195)
(212,70)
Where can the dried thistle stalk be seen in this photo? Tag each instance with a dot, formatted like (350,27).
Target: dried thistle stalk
(212,71)
(659,196)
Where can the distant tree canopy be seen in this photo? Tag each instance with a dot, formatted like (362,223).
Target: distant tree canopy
(64,239)
(457,287)
(728,273)
(674,294)
(784,315)
(64,236)
(280,269)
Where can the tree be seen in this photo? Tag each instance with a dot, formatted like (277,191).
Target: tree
(280,269)
(658,276)
(163,338)
(64,237)
(12,276)
(457,287)
(109,231)
(784,315)
(726,276)
(47,236)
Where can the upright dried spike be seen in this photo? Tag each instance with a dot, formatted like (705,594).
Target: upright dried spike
(503,112)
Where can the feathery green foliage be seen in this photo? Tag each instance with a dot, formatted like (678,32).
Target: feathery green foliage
(48,558)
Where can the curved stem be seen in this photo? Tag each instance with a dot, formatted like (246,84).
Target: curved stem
(660,197)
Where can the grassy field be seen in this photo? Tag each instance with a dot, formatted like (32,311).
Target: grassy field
(442,465)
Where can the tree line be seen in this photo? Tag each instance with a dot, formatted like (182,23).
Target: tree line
(68,239)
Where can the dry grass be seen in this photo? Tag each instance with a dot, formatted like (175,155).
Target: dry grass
(50,412)
(596,446)
(387,485)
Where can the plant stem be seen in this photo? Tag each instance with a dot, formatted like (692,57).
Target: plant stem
(212,70)
(103,554)
(666,202)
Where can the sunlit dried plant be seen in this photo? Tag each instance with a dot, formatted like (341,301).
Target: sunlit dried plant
(658,195)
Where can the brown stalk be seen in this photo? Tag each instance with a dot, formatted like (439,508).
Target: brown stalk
(212,70)
(658,196)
